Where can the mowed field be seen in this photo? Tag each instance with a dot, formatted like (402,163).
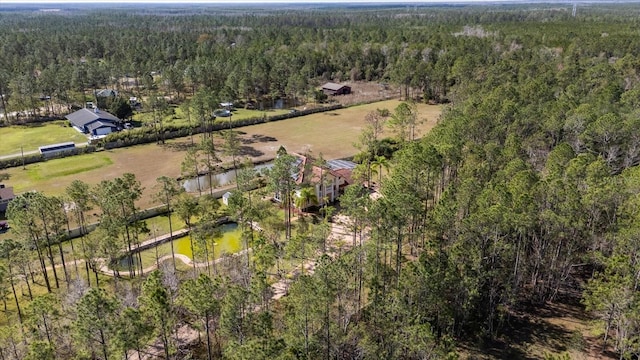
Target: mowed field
(332,133)
(30,137)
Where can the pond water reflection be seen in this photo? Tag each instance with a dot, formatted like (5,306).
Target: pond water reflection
(227,241)
(221,179)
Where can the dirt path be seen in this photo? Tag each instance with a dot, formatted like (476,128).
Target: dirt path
(339,240)
(104,268)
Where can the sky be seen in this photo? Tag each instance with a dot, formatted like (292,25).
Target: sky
(238,1)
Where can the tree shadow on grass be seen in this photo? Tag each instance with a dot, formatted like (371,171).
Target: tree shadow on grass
(522,332)
(179,145)
(250,151)
(33,124)
(257,138)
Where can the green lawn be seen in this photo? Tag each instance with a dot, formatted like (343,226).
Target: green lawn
(159,225)
(44,172)
(32,136)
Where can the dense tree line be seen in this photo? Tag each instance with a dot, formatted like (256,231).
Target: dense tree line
(259,56)
(524,193)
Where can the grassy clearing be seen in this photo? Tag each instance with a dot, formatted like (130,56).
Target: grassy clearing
(41,175)
(332,133)
(67,166)
(159,225)
(32,136)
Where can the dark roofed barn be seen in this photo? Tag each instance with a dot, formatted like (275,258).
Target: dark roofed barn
(6,195)
(336,89)
(95,122)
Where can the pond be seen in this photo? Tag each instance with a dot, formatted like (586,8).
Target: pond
(221,179)
(228,241)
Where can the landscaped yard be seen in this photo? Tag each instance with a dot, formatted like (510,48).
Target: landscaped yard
(32,136)
(331,133)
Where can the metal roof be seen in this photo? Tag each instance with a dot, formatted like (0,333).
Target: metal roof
(68,143)
(332,86)
(106,93)
(341,164)
(99,124)
(83,117)
(6,193)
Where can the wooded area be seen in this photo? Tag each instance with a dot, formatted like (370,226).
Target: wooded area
(525,193)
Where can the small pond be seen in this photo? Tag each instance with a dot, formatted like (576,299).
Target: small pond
(220,179)
(229,241)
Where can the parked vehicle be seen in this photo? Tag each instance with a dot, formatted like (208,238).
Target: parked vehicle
(222,113)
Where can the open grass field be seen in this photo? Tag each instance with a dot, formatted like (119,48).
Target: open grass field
(32,136)
(332,133)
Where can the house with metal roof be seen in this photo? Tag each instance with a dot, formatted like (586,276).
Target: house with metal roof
(336,89)
(328,180)
(94,122)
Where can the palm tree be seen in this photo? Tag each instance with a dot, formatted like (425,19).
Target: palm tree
(380,162)
(306,197)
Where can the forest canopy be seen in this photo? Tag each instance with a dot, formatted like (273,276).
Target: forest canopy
(524,194)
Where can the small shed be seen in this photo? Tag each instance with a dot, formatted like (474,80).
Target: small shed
(6,195)
(106,93)
(336,89)
(225,198)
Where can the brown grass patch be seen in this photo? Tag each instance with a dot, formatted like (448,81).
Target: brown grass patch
(331,133)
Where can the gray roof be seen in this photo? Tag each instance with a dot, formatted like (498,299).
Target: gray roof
(84,117)
(98,124)
(341,164)
(6,193)
(332,86)
(106,93)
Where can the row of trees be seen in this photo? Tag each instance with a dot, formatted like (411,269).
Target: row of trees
(526,188)
(246,58)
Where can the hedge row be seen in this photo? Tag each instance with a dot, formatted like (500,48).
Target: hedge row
(35,158)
